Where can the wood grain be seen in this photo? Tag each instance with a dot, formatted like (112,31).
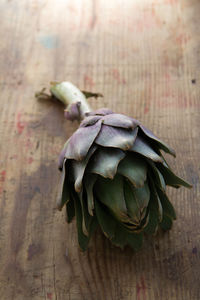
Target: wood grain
(144,56)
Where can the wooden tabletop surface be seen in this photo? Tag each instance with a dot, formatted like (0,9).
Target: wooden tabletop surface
(144,56)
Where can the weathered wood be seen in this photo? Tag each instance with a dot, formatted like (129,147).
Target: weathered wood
(144,57)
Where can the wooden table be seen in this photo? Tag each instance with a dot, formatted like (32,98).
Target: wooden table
(144,56)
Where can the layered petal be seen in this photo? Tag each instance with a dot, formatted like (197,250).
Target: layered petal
(134,169)
(166,223)
(91,120)
(101,112)
(82,238)
(119,120)
(116,232)
(79,167)
(106,221)
(116,137)
(105,162)
(64,190)
(170,178)
(85,223)
(110,193)
(123,237)
(157,141)
(62,156)
(156,175)
(89,182)
(168,208)
(81,141)
(153,211)
(137,200)
(142,147)
(70,210)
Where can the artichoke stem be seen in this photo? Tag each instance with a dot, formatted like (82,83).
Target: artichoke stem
(69,94)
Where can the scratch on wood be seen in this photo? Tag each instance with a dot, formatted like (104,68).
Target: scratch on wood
(54,275)
(2,179)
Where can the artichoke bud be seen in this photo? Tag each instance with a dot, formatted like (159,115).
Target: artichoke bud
(73,111)
(114,176)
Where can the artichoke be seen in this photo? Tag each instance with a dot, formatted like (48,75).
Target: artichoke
(113,175)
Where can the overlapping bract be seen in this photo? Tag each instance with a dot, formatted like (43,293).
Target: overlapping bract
(114,175)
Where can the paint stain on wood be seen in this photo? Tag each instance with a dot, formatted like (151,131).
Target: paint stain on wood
(30,160)
(49,41)
(20,124)
(88,81)
(116,75)
(171,2)
(49,296)
(141,289)
(182,39)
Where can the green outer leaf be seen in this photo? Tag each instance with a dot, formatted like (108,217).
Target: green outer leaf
(156,176)
(135,240)
(166,223)
(86,218)
(142,147)
(170,178)
(153,211)
(70,210)
(142,195)
(119,238)
(106,221)
(79,169)
(89,182)
(160,209)
(168,208)
(93,225)
(123,237)
(63,194)
(134,168)
(131,203)
(82,238)
(110,193)
(105,162)
(113,230)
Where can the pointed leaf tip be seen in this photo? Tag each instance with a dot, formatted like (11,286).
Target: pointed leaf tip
(142,147)
(162,145)
(172,179)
